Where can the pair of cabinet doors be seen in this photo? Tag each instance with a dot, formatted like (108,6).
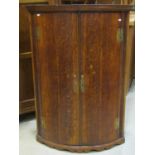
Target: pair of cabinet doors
(79,76)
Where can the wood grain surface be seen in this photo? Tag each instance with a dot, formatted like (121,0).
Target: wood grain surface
(79,66)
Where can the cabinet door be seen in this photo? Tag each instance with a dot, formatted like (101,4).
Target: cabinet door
(57,76)
(101,70)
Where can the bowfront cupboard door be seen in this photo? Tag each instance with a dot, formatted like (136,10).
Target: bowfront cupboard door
(102,77)
(78,64)
(56,64)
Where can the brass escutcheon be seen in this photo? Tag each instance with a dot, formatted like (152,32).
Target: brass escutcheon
(82,83)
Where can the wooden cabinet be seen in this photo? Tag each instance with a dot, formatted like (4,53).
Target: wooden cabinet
(79,64)
(26,90)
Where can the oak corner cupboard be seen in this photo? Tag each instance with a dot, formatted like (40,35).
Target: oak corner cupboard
(79,61)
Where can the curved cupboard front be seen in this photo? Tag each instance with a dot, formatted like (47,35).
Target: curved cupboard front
(79,58)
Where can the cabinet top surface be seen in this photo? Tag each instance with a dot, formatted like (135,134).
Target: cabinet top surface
(44,8)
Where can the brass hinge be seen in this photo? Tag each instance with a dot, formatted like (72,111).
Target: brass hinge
(43,124)
(116,125)
(120,35)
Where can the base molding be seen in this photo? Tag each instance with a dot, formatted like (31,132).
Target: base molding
(81,148)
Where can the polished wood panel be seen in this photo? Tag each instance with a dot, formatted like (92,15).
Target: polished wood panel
(102,70)
(79,65)
(58,75)
(82,8)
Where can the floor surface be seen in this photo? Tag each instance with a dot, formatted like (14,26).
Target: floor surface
(29,146)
